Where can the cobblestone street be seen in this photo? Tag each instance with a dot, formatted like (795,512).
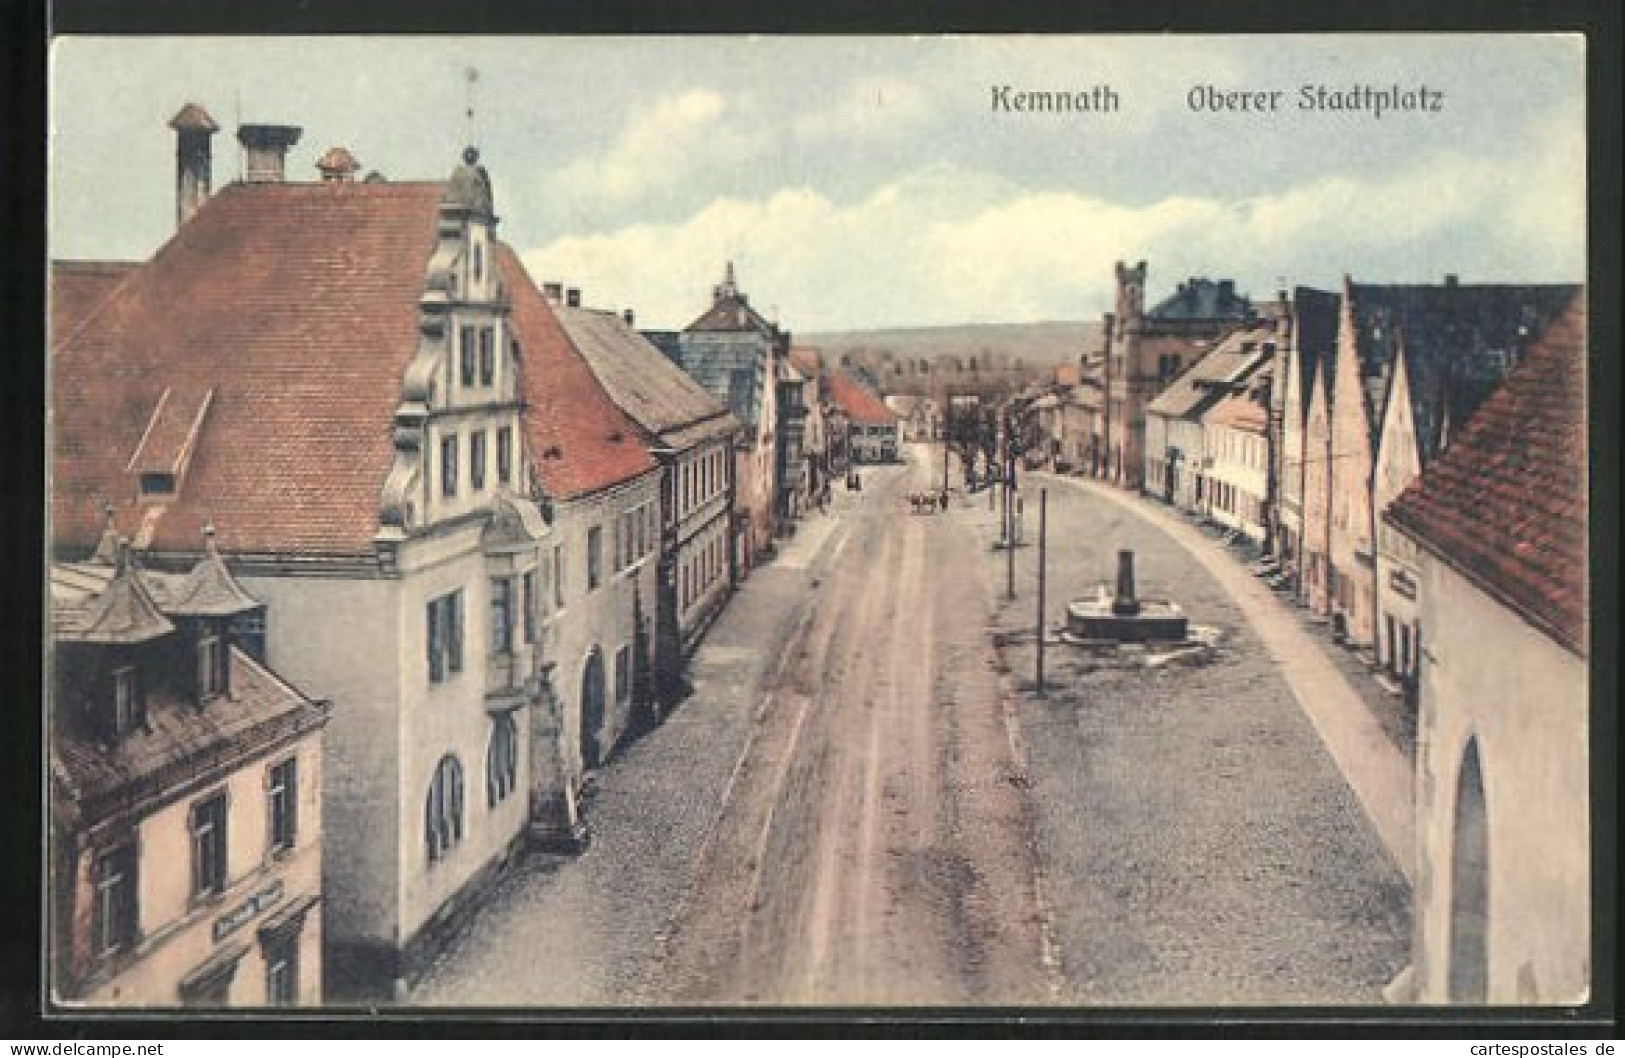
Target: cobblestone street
(1199,842)
(583,931)
(1179,835)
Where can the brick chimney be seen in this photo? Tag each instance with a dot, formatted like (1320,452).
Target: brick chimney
(630,317)
(554,292)
(267,147)
(572,298)
(193,153)
(337,166)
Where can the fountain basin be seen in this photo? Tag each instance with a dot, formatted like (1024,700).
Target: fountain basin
(1100,620)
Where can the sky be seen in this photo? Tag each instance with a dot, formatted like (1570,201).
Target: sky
(864,182)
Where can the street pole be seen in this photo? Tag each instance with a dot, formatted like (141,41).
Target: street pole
(1010,529)
(1043,518)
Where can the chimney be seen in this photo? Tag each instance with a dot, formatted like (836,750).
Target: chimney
(1227,289)
(193,128)
(267,147)
(630,317)
(1451,281)
(572,298)
(554,292)
(337,166)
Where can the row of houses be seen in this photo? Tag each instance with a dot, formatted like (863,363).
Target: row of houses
(368,551)
(1410,459)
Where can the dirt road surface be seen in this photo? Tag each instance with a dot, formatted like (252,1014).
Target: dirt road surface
(877,843)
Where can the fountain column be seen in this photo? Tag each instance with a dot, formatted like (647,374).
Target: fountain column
(1124,604)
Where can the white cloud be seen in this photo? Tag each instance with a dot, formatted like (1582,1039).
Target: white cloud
(944,245)
(663,144)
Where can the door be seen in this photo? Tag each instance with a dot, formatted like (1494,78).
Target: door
(592,710)
(1469,886)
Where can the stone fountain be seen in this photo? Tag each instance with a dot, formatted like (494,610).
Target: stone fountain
(1112,619)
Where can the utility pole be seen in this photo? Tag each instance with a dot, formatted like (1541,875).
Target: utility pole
(1043,518)
(1009,511)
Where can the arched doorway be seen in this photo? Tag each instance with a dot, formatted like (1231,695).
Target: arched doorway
(1469,886)
(592,710)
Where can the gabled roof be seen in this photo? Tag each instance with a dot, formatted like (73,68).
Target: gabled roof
(209,590)
(651,390)
(109,607)
(1314,341)
(1505,505)
(1238,411)
(1458,342)
(1207,381)
(860,405)
(297,305)
(579,441)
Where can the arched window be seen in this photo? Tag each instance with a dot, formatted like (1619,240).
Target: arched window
(501,760)
(443,811)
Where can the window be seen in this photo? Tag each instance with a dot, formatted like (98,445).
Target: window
(505,455)
(619,537)
(487,356)
(448,466)
(248,632)
(476,460)
(157,483)
(529,581)
(595,557)
(129,708)
(211,664)
(479,261)
(443,810)
(282,797)
(558,576)
(641,529)
(209,846)
(282,970)
(501,615)
(445,624)
(465,344)
(116,914)
(501,760)
(623,675)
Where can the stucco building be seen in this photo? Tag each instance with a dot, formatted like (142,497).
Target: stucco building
(1148,349)
(691,435)
(360,423)
(871,427)
(185,807)
(1455,342)
(1500,521)
(737,355)
(1178,462)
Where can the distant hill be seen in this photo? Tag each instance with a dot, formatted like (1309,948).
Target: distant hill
(1050,342)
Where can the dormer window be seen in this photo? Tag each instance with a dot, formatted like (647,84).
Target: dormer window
(129,709)
(157,483)
(212,660)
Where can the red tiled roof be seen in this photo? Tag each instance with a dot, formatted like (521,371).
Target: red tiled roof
(77,287)
(1239,412)
(298,305)
(808,360)
(859,404)
(1505,504)
(580,442)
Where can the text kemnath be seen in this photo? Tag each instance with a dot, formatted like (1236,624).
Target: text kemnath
(1101,99)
